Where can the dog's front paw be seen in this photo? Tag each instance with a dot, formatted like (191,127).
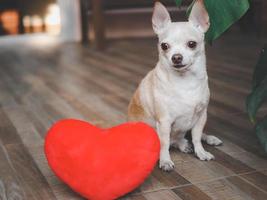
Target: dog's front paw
(166,165)
(212,140)
(204,155)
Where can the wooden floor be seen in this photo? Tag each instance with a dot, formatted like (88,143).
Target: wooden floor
(42,81)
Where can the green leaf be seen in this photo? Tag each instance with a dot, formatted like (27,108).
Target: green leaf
(260,71)
(178,2)
(255,99)
(261,131)
(222,13)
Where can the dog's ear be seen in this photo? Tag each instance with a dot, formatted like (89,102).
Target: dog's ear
(161,18)
(199,16)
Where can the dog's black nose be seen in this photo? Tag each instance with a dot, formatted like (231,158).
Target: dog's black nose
(177,59)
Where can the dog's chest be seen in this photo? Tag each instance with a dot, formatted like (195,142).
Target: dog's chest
(185,120)
(186,106)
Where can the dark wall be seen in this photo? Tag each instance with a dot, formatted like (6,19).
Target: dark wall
(133,4)
(118,4)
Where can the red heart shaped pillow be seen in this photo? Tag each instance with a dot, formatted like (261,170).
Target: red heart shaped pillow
(99,163)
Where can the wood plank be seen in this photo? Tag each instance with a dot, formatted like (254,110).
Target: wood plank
(169,179)
(191,193)
(229,162)
(28,173)
(257,178)
(231,188)
(10,186)
(197,171)
(248,189)
(8,134)
(162,194)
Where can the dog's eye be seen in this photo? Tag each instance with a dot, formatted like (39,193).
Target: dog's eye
(164,46)
(192,44)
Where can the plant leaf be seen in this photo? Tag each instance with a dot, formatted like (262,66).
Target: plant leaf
(261,131)
(178,2)
(260,71)
(255,99)
(222,13)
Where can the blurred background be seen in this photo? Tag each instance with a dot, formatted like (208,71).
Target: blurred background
(26,17)
(97,20)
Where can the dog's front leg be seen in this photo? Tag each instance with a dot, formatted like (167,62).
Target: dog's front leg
(164,131)
(197,132)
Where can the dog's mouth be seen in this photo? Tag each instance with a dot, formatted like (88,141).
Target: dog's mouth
(181,67)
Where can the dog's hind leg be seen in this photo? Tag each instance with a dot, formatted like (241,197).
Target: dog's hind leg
(179,141)
(211,140)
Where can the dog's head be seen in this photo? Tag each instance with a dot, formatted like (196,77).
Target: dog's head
(180,43)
